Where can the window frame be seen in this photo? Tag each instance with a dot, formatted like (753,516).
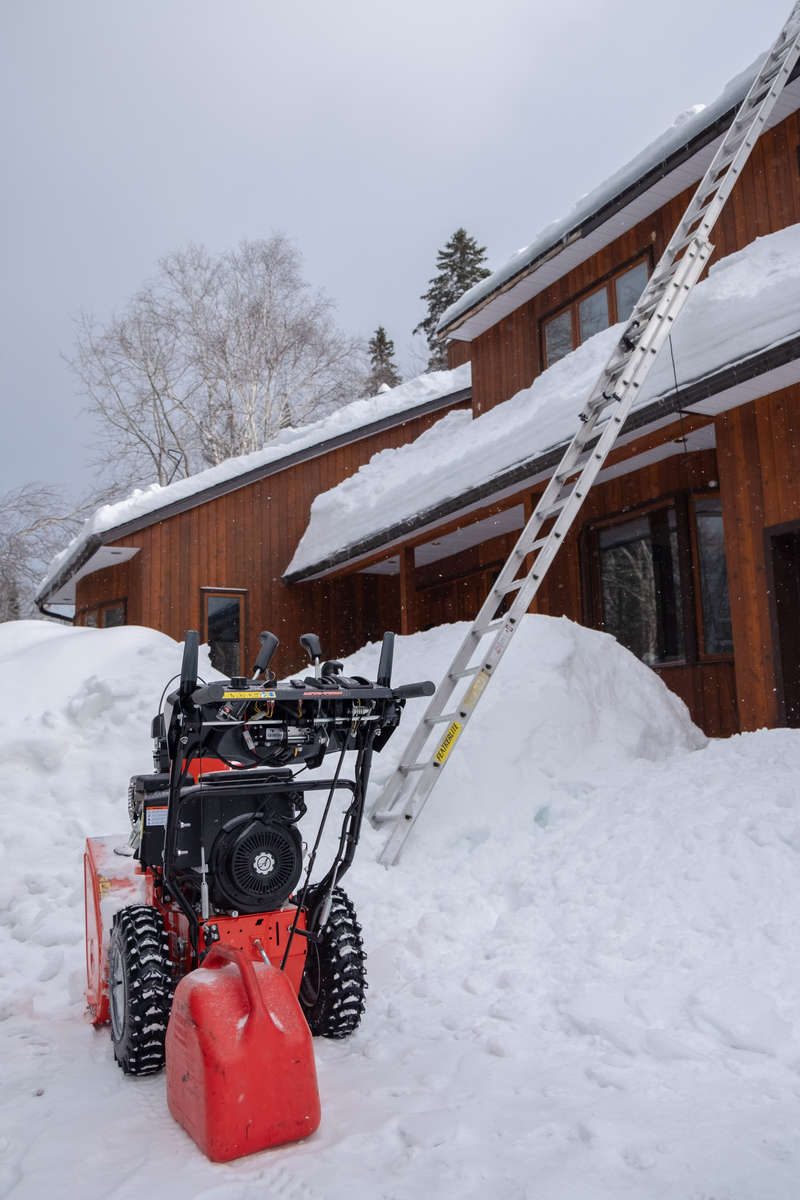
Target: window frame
(228,592)
(572,306)
(82,613)
(690,611)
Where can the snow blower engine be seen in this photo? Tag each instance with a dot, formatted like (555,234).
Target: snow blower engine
(212,878)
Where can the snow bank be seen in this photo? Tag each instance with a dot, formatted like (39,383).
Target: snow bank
(583,973)
(687,125)
(750,301)
(352,416)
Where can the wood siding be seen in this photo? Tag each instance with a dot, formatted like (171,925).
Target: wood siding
(454,588)
(507,357)
(758,448)
(245,540)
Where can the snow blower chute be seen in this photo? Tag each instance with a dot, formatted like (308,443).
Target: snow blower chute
(203,947)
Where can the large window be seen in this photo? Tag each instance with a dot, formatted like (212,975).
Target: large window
(659,581)
(611,302)
(224,613)
(640,586)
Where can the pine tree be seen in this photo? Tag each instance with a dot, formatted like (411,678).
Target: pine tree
(461,264)
(381,357)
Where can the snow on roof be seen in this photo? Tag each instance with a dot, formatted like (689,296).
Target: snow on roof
(749,302)
(389,402)
(684,129)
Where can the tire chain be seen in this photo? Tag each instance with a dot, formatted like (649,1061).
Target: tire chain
(150,988)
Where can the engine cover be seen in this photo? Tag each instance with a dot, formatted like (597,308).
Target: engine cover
(255,863)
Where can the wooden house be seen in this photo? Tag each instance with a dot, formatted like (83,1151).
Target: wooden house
(687,548)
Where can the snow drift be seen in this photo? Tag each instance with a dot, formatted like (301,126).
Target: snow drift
(583,973)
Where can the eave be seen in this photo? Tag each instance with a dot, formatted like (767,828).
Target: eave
(86,550)
(734,384)
(678,171)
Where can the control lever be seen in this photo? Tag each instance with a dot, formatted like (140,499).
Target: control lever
(408,691)
(269,644)
(189,664)
(310,643)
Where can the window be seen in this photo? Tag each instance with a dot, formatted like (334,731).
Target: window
(648,568)
(582,318)
(224,624)
(715,606)
(640,586)
(103,616)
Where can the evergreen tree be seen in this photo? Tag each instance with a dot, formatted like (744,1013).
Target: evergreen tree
(381,357)
(461,264)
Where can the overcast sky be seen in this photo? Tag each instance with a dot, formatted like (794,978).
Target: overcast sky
(366,131)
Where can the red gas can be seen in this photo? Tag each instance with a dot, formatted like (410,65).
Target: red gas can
(240,1063)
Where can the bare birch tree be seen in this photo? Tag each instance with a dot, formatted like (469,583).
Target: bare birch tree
(35,523)
(211,359)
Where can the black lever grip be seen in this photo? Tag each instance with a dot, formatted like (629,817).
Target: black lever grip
(189,664)
(269,644)
(310,643)
(408,691)
(384,676)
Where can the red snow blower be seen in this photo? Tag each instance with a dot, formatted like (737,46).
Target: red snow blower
(201,951)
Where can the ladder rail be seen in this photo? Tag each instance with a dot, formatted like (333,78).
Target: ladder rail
(616,391)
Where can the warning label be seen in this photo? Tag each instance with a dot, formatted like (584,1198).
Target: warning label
(157,815)
(248,695)
(448,742)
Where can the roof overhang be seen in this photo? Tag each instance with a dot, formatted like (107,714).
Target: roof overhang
(738,383)
(74,567)
(680,170)
(99,558)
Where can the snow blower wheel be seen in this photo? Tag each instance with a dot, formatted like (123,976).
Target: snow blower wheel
(140,989)
(335,977)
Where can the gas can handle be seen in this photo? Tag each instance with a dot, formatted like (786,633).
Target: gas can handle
(245,964)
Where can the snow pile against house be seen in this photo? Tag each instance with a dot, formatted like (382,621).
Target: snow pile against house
(591,934)
(749,302)
(387,403)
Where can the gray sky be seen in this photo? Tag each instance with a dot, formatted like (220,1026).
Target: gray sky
(366,131)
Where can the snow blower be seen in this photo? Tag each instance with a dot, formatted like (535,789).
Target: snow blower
(201,948)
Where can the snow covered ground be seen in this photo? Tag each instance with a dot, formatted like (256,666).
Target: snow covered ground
(584,973)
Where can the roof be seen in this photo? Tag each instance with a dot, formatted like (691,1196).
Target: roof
(672,162)
(740,325)
(359,419)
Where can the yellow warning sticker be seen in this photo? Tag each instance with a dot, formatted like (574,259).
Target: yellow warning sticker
(248,695)
(476,691)
(448,742)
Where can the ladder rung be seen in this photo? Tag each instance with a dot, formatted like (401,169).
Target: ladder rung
(406,770)
(383,817)
(554,509)
(513,587)
(497,623)
(456,675)
(453,715)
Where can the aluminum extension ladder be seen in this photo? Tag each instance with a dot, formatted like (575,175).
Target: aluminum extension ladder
(600,423)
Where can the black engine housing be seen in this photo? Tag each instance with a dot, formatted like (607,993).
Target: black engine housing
(245,823)
(255,863)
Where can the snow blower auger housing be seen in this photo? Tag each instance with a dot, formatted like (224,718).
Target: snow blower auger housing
(217,858)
